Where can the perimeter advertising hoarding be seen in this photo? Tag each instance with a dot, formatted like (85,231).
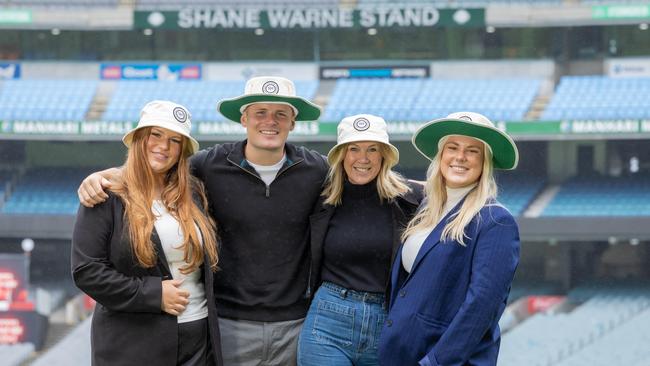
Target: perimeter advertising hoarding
(393,72)
(628,67)
(19,323)
(326,131)
(137,71)
(9,71)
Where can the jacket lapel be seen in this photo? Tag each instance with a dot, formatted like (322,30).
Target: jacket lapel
(429,243)
(162,259)
(396,275)
(319,222)
(433,239)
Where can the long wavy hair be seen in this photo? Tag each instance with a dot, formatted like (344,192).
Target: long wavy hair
(389,183)
(136,189)
(436,198)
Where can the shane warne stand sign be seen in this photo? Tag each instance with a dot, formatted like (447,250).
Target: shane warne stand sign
(309,18)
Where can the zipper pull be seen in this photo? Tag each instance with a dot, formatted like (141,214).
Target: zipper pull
(268,191)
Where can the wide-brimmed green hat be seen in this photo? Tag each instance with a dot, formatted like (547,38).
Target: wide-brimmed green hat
(504,151)
(269,89)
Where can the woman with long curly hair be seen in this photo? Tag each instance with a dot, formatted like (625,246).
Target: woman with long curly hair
(147,254)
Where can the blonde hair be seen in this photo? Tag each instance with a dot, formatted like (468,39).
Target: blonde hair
(436,198)
(136,189)
(389,183)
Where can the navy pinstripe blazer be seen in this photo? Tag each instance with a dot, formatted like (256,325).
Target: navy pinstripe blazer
(446,311)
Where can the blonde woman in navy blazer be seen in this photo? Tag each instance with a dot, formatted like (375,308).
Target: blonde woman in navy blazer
(451,277)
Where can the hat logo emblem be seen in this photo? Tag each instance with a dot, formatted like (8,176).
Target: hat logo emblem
(180,114)
(270,87)
(361,124)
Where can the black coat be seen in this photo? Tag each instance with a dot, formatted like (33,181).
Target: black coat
(403,209)
(128,326)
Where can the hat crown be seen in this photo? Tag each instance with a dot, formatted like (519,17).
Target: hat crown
(472,117)
(272,85)
(362,127)
(166,114)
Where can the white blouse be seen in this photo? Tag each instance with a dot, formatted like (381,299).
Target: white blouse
(171,238)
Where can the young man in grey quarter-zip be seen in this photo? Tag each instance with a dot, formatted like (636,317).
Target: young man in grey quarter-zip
(261,193)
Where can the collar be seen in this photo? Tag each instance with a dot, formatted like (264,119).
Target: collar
(237,157)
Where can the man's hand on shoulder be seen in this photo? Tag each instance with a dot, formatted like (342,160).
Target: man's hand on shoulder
(92,189)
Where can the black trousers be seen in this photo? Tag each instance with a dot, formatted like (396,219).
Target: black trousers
(194,344)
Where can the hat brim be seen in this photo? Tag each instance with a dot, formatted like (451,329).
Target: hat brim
(394,151)
(307,111)
(128,137)
(505,155)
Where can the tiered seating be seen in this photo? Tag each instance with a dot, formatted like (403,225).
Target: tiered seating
(625,345)
(5,177)
(391,99)
(599,97)
(74,349)
(200,97)
(46,100)
(427,99)
(517,192)
(520,290)
(15,354)
(602,196)
(47,191)
(547,339)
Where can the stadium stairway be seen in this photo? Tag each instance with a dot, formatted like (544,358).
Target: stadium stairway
(537,206)
(537,107)
(541,100)
(58,331)
(324,92)
(100,100)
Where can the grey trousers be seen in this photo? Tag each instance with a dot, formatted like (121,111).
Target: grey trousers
(251,343)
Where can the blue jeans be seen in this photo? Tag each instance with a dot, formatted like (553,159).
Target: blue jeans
(342,327)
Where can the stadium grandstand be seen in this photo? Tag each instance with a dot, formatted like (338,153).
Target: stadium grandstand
(568,79)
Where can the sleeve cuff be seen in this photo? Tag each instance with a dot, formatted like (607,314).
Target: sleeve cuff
(425,361)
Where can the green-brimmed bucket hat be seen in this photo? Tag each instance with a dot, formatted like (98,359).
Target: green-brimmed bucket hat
(504,151)
(269,89)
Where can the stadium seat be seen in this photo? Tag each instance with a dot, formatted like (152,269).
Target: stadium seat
(426,99)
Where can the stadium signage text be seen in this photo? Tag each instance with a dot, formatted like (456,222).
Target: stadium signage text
(624,126)
(326,130)
(309,18)
(621,11)
(370,72)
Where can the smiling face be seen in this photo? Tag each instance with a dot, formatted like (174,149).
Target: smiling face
(267,128)
(461,162)
(362,161)
(163,149)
